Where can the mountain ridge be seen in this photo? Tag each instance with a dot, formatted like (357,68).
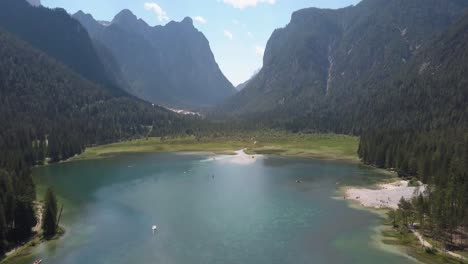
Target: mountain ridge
(323,55)
(61,37)
(177,57)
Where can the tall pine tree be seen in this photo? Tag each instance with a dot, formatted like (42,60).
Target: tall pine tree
(49,217)
(3,229)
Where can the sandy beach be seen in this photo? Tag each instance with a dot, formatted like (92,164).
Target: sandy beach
(385,196)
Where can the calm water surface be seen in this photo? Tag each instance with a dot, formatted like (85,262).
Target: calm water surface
(246,213)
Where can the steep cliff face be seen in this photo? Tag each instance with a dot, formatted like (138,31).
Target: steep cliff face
(322,58)
(171,64)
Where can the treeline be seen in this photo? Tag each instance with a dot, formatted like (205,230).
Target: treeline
(426,155)
(438,158)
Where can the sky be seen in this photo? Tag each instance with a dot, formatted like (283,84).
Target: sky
(237,30)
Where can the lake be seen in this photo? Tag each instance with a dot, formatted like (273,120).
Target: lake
(209,209)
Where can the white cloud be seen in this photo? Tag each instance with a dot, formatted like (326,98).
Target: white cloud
(162,15)
(200,19)
(241,4)
(250,34)
(228,34)
(259,51)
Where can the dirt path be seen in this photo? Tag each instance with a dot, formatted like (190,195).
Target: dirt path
(426,244)
(421,239)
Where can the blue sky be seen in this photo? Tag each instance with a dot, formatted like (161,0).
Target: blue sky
(238,30)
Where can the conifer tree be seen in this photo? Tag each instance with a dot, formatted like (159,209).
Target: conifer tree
(3,229)
(49,217)
(419,205)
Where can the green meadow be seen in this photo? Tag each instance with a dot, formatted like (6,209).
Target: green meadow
(323,146)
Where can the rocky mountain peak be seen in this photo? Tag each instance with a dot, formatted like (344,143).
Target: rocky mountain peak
(34,2)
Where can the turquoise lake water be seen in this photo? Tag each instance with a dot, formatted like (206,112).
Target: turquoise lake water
(209,211)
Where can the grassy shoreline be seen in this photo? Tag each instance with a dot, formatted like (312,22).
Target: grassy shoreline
(320,146)
(413,248)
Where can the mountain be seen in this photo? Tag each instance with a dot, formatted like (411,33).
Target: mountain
(34,2)
(393,72)
(324,59)
(54,32)
(170,64)
(47,99)
(241,86)
(430,90)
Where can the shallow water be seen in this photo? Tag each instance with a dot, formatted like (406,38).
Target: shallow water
(209,211)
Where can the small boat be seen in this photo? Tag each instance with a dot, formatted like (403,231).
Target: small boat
(39,261)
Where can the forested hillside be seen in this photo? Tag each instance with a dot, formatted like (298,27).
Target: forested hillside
(55,33)
(171,64)
(48,111)
(419,126)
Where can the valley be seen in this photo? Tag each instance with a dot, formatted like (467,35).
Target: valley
(352,100)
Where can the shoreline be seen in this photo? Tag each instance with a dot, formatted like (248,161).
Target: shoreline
(243,150)
(384,195)
(317,146)
(231,152)
(35,240)
(27,247)
(36,237)
(244,154)
(379,199)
